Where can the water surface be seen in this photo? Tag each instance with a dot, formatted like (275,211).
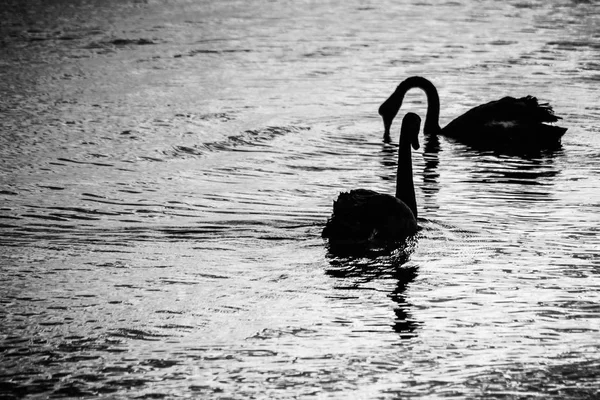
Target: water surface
(167,168)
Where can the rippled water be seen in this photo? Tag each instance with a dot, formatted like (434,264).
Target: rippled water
(167,168)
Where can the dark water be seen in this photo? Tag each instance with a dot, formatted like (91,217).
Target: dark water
(167,168)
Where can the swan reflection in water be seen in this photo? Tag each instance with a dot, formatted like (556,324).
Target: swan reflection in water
(505,125)
(511,169)
(354,273)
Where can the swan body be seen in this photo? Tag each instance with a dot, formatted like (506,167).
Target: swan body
(508,122)
(367,216)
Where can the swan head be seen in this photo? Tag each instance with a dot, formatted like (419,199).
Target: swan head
(388,111)
(411,124)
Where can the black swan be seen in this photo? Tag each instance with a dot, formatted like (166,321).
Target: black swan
(505,123)
(365,216)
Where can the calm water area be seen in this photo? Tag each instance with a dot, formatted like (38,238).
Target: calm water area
(167,167)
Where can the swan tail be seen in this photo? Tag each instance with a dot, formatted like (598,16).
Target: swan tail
(542,112)
(349,214)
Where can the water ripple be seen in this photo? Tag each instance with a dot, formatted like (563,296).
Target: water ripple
(167,172)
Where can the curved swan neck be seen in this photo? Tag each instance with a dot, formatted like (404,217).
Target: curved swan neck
(405,189)
(391,106)
(432,125)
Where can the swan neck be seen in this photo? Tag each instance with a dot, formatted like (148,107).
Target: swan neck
(432,124)
(405,189)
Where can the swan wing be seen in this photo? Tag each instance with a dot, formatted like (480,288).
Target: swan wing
(526,110)
(367,215)
(524,116)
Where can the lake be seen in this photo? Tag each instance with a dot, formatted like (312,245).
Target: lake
(167,167)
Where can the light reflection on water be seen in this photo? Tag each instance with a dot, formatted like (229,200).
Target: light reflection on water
(167,170)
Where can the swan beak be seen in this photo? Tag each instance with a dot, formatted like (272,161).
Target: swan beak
(387,124)
(415,143)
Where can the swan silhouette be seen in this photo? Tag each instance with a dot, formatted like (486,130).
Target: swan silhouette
(365,216)
(505,123)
